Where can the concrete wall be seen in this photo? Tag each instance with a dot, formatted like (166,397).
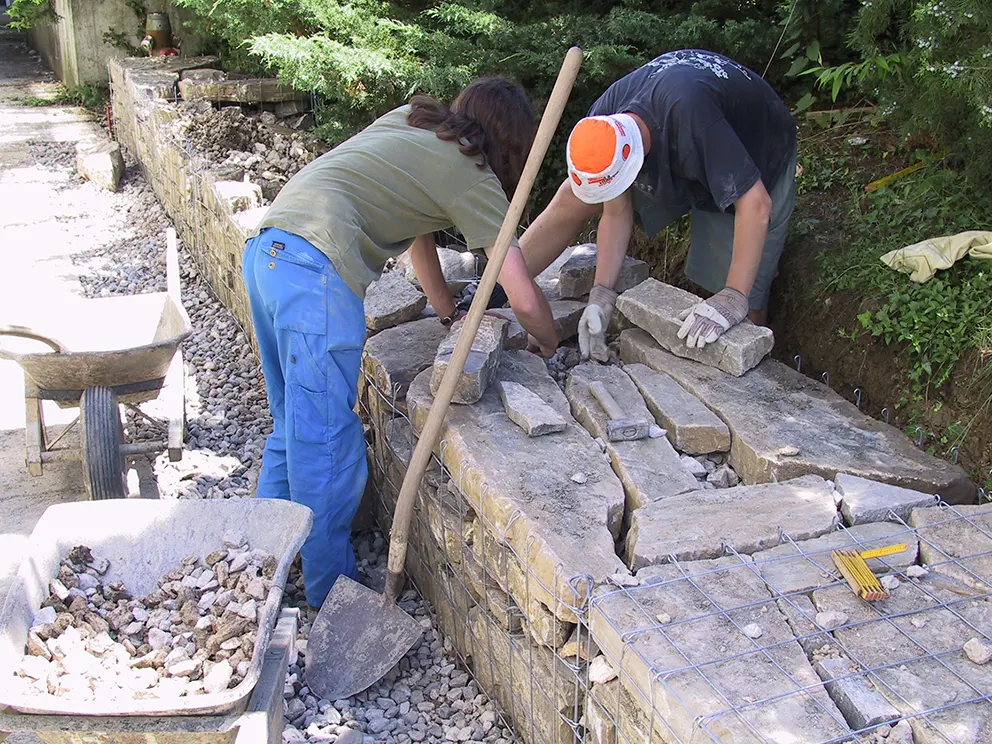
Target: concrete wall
(74,46)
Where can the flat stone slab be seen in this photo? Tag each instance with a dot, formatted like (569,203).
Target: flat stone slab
(704,677)
(857,698)
(774,408)
(957,543)
(529,411)
(699,524)
(566,315)
(650,469)
(521,487)
(480,367)
(392,300)
(577,274)
(395,356)
(802,566)
(249,90)
(655,307)
(100,162)
(692,427)
(912,647)
(864,500)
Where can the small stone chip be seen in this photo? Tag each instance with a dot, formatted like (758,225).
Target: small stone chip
(656,432)
(579,478)
(664,618)
(979,650)
(830,620)
(753,630)
(788,451)
(916,572)
(601,671)
(889,583)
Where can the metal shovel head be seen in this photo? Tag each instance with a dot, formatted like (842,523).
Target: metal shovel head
(357,638)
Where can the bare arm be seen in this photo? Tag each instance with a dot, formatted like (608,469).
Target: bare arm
(613,237)
(423,255)
(751,215)
(528,301)
(554,229)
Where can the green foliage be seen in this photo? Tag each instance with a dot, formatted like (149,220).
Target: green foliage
(935,323)
(24,14)
(87,96)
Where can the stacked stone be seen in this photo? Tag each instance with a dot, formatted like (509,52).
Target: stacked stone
(194,634)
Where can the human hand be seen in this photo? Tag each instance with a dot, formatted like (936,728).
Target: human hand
(534,346)
(594,322)
(706,321)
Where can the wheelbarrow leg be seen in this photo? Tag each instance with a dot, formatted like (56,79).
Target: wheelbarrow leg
(34,433)
(175,405)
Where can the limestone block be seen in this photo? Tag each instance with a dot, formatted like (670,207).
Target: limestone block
(957,544)
(900,647)
(530,683)
(655,307)
(238,196)
(284,109)
(152,84)
(398,440)
(100,162)
(698,525)
(488,593)
(247,221)
(529,411)
(579,645)
(762,678)
(650,469)
(396,355)
(549,280)
(791,568)
(521,487)
(863,706)
(392,300)
(774,410)
(457,267)
(692,427)
(565,313)
(250,90)
(480,367)
(578,273)
(864,500)
(202,75)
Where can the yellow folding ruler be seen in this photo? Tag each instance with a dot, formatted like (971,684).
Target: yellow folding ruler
(854,567)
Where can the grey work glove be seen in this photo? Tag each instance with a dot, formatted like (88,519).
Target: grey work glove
(594,322)
(706,321)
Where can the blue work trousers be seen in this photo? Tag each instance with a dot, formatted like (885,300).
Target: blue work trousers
(311,329)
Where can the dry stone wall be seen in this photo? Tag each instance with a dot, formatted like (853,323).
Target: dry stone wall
(674,588)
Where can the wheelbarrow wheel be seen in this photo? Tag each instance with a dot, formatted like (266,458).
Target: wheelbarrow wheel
(102,436)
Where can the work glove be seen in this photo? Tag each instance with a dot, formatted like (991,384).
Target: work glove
(705,322)
(594,322)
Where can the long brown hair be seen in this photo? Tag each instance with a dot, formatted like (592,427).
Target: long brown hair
(491,120)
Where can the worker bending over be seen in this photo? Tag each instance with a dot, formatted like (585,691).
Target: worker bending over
(691,131)
(418,169)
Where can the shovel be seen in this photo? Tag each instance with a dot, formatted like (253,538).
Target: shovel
(359,634)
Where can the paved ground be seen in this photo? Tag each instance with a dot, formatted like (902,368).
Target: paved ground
(36,252)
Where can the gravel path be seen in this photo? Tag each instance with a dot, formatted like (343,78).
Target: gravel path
(428,697)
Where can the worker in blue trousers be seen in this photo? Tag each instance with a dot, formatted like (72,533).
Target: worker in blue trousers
(419,169)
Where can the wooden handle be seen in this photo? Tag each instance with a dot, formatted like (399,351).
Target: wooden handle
(428,437)
(600,393)
(172,265)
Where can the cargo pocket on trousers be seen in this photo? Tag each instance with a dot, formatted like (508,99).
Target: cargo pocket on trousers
(309,414)
(306,385)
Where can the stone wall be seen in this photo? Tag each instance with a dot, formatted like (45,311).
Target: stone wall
(674,588)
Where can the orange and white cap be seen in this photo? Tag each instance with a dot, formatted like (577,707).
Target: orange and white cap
(605,154)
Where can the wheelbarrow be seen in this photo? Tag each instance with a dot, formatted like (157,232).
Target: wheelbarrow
(102,353)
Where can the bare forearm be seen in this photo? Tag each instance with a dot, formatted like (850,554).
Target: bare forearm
(613,237)
(528,302)
(423,255)
(750,230)
(554,229)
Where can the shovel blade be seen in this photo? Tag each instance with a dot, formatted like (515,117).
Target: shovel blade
(357,637)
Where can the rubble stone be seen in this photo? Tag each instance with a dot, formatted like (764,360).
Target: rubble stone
(239,196)
(522,488)
(773,406)
(458,268)
(655,307)
(738,669)
(392,300)
(529,411)
(565,313)
(692,427)
(863,500)
(393,357)
(979,650)
(100,162)
(650,469)
(699,524)
(578,273)
(480,366)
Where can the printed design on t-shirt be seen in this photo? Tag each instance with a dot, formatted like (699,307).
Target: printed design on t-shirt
(700,60)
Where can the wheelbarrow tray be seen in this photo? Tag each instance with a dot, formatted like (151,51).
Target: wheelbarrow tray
(110,342)
(144,540)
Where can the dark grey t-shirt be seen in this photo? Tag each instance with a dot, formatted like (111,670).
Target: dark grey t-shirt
(716,127)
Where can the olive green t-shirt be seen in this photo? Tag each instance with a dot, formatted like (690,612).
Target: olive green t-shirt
(363,202)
